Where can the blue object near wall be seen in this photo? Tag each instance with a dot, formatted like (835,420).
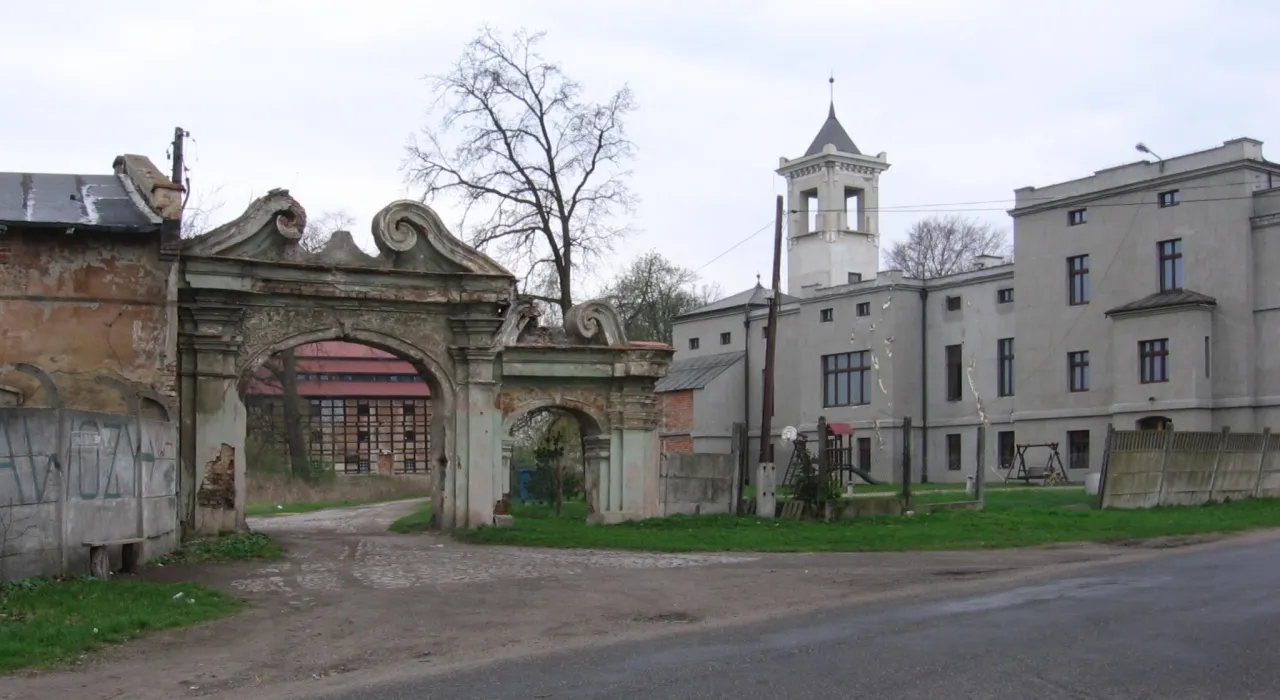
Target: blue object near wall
(523,477)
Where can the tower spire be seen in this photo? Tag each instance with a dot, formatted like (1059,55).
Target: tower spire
(831,113)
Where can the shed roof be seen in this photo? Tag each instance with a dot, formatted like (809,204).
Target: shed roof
(1164,300)
(95,202)
(696,372)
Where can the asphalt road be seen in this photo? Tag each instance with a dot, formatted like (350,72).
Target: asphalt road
(1198,625)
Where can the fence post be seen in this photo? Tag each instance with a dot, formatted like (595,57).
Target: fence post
(906,463)
(1262,461)
(1164,461)
(740,466)
(1106,460)
(980,466)
(1217,460)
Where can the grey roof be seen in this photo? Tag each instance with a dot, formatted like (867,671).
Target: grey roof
(1164,300)
(696,372)
(832,133)
(756,296)
(95,202)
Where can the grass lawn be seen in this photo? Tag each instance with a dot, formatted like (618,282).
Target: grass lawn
(255,509)
(419,520)
(235,547)
(1013,518)
(44,622)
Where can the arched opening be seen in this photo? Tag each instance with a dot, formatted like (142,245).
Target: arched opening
(552,457)
(1154,423)
(336,419)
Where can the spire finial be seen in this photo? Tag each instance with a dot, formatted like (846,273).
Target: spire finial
(832,83)
(757,279)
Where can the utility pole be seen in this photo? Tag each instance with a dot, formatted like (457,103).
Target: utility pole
(179,170)
(771,340)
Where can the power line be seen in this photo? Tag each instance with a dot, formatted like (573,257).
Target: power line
(902,209)
(734,247)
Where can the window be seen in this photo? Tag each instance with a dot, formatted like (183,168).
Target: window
(1006,449)
(1004,367)
(846,379)
(1153,359)
(409,409)
(1078,370)
(410,436)
(953,303)
(315,407)
(855,277)
(955,374)
(726,338)
(827,315)
(863,308)
(362,408)
(764,331)
(1172,198)
(1078,449)
(1075,217)
(410,465)
(1004,296)
(953,452)
(362,436)
(694,343)
(1170,264)
(864,454)
(1208,358)
(1078,280)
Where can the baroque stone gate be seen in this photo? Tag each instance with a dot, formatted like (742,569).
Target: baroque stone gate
(249,289)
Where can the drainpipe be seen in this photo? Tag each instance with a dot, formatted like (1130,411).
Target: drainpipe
(746,395)
(924,385)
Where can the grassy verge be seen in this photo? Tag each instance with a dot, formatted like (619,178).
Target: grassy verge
(417,521)
(258,509)
(1013,518)
(45,622)
(236,547)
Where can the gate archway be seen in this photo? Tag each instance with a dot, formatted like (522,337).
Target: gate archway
(248,289)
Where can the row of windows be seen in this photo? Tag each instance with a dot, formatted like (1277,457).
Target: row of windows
(1168,198)
(846,377)
(323,377)
(725,339)
(1169,271)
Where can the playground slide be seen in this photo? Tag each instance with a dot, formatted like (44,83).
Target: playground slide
(866,476)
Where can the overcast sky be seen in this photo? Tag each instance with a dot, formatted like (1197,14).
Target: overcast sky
(969,99)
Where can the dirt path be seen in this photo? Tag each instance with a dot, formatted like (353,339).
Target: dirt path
(351,601)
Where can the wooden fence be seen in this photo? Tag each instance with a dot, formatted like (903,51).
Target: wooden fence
(1148,468)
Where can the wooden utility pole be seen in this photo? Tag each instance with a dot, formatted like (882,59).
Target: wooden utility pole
(771,340)
(178,167)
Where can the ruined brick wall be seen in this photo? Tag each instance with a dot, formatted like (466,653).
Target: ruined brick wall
(677,421)
(82,306)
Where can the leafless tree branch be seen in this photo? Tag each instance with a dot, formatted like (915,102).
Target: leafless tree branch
(945,245)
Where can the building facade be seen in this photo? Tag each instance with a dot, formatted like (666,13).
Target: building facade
(367,410)
(1141,298)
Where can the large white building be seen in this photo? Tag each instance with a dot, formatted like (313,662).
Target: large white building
(1143,294)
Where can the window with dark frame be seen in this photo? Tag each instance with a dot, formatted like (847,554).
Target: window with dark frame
(362,436)
(864,454)
(1170,264)
(953,452)
(1077,449)
(1078,370)
(1004,295)
(826,315)
(1006,448)
(955,372)
(846,379)
(362,408)
(764,331)
(408,409)
(1153,359)
(1075,217)
(694,343)
(410,436)
(726,338)
(863,308)
(953,303)
(1004,367)
(854,277)
(1078,280)
(1172,198)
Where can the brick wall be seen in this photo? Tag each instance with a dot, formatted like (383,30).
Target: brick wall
(677,421)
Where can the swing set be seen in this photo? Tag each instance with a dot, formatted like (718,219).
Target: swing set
(1050,474)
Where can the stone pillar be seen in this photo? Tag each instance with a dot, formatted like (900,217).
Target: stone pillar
(629,486)
(510,481)
(213,434)
(474,483)
(596,453)
(766,498)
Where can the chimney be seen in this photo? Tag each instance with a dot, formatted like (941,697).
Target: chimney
(981,262)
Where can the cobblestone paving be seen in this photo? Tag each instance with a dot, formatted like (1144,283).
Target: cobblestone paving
(368,557)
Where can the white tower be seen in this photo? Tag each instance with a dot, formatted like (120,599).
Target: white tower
(833,196)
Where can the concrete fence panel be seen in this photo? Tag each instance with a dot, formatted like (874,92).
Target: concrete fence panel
(696,483)
(1148,468)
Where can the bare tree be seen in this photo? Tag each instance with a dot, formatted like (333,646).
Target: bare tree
(542,167)
(321,228)
(652,292)
(945,245)
(198,211)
